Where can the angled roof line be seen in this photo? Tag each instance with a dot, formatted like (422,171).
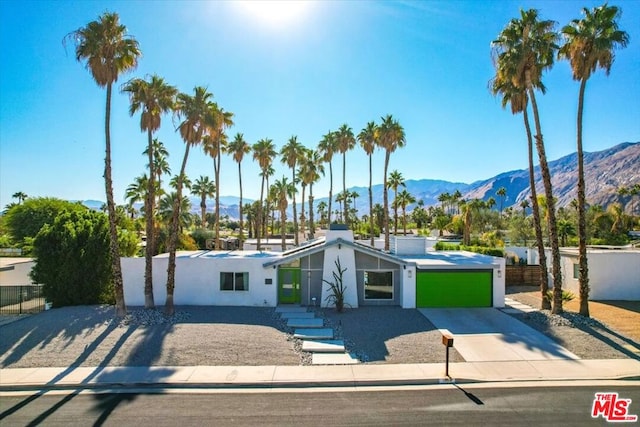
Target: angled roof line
(320,246)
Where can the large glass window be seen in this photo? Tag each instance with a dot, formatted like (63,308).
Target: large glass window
(378,285)
(234,281)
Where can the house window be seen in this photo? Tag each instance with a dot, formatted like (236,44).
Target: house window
(234,281)
(576,271)
(378,285)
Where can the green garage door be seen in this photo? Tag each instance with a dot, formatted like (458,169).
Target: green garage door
(453,288)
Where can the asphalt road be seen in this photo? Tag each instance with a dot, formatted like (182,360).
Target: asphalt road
(436,405)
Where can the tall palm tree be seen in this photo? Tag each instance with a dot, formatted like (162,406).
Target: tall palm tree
(152,98)
(322,211)
(291,153)
(238,148)
(327,148)
(368,139)
(405,199)
(214,144)
(21,196)
(346,141)
(310,172)
(283,189)
(502,193)
(203,187)
(517,98)
(589,44)
(263,152)
(108,51)
(391,138)
(524,49)
(193,111)
(394,181)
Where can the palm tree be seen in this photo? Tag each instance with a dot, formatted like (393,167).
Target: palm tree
(310,172)
(137,191)
(589,44)
(322,211)
(368,139)
(238,148)
(524,49)
(524,205)
(502,193)
(327,147)
(291,153)
(565,229)
(517,98)
(346,141)
(394,181)
(214,144)
(263,152)
(20,196)
(204,188)
(193,110)
(166,208)
(404,199)
(283,189)
(108,51)
(152,98)
(391,138)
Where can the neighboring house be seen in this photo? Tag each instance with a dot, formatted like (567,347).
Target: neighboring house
(15,271)
(410,277)
(614,273)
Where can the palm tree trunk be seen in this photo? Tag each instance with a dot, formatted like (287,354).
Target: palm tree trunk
(551,206)
(241,220)
(404,221)
(114,251)
(544,278)
(302,217)
(203,209)
(296,239)
(283,229)
(395,212)
(149,212)
(330,193)
(259,218)
(582,223)
(217,172)
(173,236)
(311,224)
(386,202)
(371,202)
(344,188)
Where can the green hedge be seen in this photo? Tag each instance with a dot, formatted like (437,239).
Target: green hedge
(443,246)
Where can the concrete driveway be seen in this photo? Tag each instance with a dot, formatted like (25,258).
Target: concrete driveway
(487,334)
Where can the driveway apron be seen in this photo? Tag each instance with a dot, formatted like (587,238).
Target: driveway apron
(487,334)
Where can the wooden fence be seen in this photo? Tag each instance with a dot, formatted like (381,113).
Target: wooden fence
(522,275)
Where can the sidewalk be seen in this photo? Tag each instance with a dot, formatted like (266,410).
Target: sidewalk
(314,376)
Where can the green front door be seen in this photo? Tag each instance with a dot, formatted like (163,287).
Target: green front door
(289,286)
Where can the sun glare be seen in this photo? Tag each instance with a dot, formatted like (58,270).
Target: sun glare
(275,12)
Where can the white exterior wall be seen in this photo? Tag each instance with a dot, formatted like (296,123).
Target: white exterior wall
(347,257)
(408,287)
(402,245)
(198,282)
(499,273)
(529,254)
(18,275)
(613,275)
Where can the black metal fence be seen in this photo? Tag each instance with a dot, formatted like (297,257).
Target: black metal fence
(19,299)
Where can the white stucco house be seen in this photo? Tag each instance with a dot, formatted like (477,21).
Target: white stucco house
(409,277)
(614,273)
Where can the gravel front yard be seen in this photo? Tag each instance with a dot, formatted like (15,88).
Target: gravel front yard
(226,336)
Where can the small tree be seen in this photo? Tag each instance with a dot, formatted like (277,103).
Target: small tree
(73,261)
(336,287)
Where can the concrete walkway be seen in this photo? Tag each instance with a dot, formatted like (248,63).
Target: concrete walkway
(310,376)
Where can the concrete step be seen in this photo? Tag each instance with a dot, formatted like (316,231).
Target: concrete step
(313,334)
(333,359)
(297,315)
(323,346)
(305,323)
(290,309)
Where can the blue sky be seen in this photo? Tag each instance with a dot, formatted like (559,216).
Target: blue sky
(303,72)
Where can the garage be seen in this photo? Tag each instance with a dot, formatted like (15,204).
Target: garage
(469,288)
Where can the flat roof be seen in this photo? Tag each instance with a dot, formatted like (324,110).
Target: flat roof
(450,259)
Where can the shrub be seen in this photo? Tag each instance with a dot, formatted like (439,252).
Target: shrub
(443,246)
(337,287)
(566,295)
(72,259)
